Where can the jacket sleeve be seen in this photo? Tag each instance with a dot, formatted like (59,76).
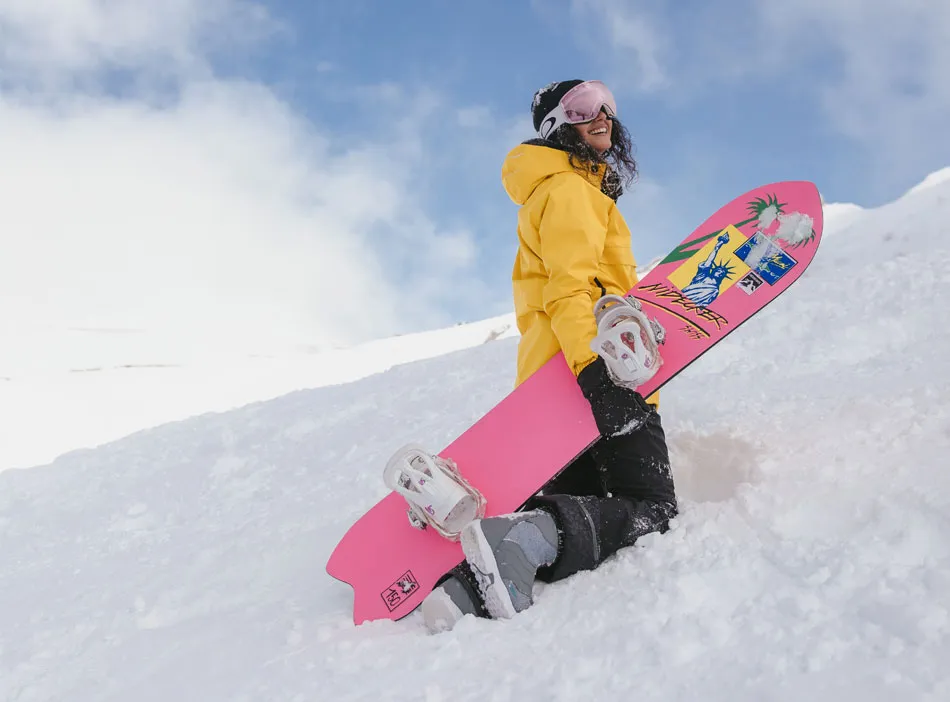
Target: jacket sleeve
(572,233)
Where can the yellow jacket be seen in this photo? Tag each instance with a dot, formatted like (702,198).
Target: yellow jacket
(573,247)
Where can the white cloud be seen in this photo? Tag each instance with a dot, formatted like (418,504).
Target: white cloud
(218,215)
(46,40)
(632,29)
(205,214)
(889,87)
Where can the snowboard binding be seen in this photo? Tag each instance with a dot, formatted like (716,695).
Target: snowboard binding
(627,340)
(437,494)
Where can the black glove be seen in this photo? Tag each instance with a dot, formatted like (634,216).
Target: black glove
(616,409)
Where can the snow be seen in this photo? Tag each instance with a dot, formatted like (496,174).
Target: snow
(811,556)
(840,216)
(795,227)
(935,178)
(93,386)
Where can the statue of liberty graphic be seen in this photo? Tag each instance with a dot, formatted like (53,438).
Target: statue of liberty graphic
(703,289)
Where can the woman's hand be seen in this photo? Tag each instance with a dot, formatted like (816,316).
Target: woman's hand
(617,410)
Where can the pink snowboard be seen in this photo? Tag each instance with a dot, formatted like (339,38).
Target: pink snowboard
(738,261)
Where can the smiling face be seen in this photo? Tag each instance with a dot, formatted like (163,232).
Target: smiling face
(597,133)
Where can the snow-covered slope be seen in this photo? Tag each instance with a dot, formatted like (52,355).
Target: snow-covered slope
(840,216)
(811,558)
(934,179)
(81,388)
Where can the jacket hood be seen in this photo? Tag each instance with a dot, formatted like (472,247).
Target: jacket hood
(528,164)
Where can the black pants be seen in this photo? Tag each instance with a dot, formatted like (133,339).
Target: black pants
(616,492)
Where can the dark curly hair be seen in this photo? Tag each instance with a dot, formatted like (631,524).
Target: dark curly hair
(621,166)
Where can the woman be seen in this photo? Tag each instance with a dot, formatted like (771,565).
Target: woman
(574,247)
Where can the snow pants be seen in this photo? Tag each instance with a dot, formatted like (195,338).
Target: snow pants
(616,492)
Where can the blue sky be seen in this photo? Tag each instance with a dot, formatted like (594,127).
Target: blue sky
(704,133)
(377,131)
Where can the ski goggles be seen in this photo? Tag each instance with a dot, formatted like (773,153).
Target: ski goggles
(580,104)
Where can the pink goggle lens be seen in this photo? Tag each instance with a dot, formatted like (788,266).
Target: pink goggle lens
(583,102)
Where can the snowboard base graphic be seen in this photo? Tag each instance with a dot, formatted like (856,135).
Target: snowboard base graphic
(740,259)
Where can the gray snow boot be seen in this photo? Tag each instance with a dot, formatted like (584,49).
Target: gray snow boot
(505,553)
(455,596)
